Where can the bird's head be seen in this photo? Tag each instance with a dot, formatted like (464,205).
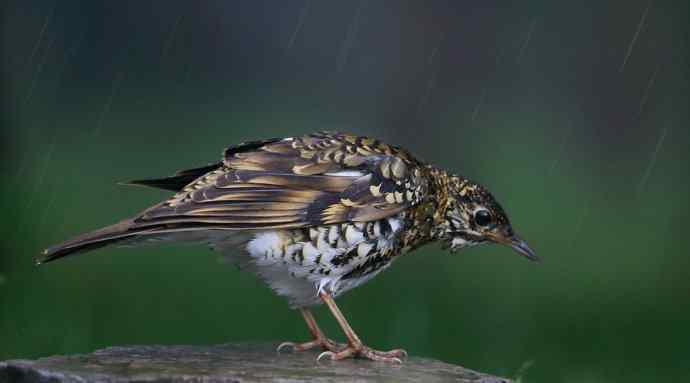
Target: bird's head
(473,217)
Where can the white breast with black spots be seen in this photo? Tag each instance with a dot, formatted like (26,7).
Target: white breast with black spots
(334,258)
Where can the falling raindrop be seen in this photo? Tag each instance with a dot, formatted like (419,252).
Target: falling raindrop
(645,95)
(640,25)
(68,55)
(171,39)
(475,112)
(528,38)
(349,39)
(37,73)
(117,80)
(519,375)
(45,210)
(37,182)
(432,78)
(652,161)
(485,89)
(300,22)
(47,21)
(561,146)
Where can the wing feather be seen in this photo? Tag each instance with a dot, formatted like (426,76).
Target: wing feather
(297,182)
(324,178)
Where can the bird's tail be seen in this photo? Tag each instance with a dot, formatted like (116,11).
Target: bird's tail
(129,233)
(118,232)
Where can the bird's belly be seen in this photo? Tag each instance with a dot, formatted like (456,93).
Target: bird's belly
(298,264)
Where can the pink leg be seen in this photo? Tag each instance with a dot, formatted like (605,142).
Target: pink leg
(355,347)
(319,338)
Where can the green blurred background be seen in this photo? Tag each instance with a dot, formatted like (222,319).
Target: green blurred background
(575,114)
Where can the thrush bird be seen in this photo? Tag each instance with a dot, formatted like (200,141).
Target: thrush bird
(314,217)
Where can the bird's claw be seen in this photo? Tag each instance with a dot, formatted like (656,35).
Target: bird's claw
(329,354)
(281,346)
(324,343)
(398,353)
(393,356)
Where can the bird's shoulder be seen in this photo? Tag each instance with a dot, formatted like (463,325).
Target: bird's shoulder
(317,153)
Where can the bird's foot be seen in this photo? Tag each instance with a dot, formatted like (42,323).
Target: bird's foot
(362,351)
(324,343)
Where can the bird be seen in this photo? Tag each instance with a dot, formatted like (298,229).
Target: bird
(313,216)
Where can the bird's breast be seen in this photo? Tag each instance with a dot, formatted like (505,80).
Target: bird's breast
(299,263)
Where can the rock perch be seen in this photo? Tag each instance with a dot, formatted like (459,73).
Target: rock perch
(229,363)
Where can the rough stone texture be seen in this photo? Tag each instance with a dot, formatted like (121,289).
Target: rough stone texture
(225,363)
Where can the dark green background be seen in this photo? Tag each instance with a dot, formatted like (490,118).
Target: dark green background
(575,114)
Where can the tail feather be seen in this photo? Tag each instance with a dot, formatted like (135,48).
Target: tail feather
(88,241)
(127,233)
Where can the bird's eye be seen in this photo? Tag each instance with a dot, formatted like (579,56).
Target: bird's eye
(482,217)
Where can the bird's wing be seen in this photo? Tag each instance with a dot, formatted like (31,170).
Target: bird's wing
(318,179)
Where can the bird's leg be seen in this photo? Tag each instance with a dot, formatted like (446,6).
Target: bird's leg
(320,339)
(355,347)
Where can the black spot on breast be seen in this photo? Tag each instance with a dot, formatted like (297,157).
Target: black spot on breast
(368,230)
(344,259)
(385,227)
(305,233)
(371,265)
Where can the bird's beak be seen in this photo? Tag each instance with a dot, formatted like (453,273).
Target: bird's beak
(520,245)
